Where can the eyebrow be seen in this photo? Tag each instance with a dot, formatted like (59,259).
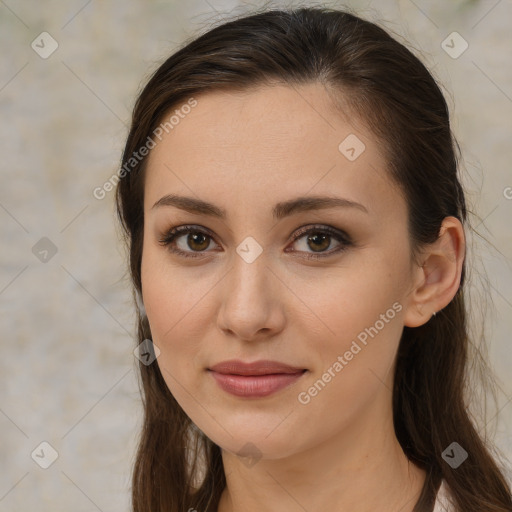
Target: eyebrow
(280,210)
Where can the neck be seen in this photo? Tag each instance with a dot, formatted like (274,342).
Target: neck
(362,468)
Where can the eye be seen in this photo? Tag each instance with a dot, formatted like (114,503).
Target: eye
(197,239)
(319,238)
(191,241)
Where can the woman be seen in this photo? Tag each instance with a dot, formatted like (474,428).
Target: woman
(295,223)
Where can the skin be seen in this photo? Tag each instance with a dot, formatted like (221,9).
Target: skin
(245,152)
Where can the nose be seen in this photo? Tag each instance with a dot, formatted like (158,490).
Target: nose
(252,301)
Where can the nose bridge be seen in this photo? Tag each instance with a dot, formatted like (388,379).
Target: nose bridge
(250,299)
(249,280)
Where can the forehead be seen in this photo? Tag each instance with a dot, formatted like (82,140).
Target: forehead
(269,142)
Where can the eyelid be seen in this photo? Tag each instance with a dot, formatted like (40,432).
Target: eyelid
(339,233)
(174,232)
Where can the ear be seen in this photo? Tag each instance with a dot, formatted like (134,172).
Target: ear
(437,280)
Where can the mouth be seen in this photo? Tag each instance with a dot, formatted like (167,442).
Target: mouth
(254,380)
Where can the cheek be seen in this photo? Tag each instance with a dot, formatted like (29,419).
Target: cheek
(355,365)
(360,314)
(179,312)
(172,296)
(351,302)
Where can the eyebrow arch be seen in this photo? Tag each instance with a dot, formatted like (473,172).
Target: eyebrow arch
(280,210)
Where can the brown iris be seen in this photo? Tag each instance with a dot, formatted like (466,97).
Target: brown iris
(194,240)
(319,239)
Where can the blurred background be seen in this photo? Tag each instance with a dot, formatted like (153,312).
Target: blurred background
(69,73)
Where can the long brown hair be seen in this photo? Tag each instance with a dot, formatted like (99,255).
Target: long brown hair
(177,467)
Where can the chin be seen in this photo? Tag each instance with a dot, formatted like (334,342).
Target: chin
(262,440)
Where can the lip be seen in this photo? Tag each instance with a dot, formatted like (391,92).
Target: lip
(254,380)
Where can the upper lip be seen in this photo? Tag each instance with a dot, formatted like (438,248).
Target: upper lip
(264,367)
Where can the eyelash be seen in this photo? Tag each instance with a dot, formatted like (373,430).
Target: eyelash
(339,236)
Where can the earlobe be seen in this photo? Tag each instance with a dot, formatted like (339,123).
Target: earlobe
(438,278)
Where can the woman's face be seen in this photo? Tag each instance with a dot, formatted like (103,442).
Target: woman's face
(251,285)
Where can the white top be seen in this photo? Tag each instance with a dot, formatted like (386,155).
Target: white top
(443,503)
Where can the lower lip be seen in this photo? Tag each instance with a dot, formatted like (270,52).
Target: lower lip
(255,386)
